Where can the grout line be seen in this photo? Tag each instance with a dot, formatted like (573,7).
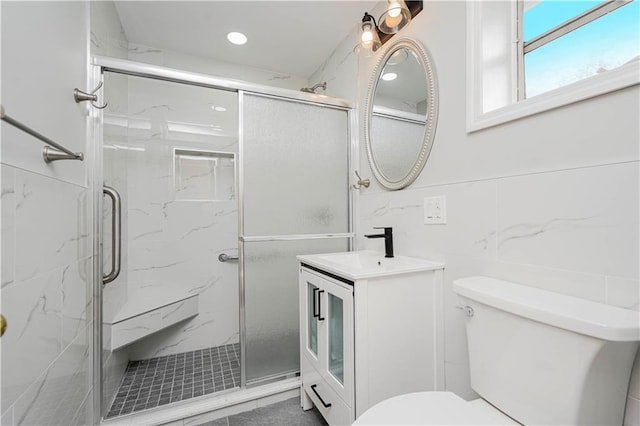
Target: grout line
(162,373)
(508,176)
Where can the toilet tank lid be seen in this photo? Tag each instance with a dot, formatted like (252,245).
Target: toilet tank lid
(571,313)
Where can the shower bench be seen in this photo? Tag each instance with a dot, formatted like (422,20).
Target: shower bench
(143,316)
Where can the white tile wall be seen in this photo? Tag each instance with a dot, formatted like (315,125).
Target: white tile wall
(581,220)
(549,201)
(48,305)
(46,292)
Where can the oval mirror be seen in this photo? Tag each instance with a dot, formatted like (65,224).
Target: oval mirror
(401,114)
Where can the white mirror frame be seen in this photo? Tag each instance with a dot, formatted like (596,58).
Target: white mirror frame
(424,58)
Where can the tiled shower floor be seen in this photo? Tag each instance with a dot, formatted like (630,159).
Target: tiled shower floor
(158,381)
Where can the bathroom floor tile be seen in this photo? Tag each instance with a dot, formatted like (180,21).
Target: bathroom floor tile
(159,381)
(285,413)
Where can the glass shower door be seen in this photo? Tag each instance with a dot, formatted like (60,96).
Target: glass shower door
(295,201)
(170,151)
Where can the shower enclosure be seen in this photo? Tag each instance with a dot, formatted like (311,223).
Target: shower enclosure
(206,189)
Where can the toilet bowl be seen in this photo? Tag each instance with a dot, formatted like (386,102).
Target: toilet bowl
(535,357)
(433,408)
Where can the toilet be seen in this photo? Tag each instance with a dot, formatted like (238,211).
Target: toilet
(536,357)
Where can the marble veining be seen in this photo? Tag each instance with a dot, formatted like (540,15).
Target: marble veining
(279,77)
(25,194)
(528,230)
(146,234)
(384,210)
(484,242)
(141,50)
(8,211)
(194,327)
(71,240)
(150,268)
(66,242)
(95,41)
(153,108)
(203,288)
(57,395)
(34,398)
(199,228)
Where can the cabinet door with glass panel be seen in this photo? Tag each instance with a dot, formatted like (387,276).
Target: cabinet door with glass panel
(328,330)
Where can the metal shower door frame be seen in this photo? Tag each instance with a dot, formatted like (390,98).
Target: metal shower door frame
(242,238)
(101,64)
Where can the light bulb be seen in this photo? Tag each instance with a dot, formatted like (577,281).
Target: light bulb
(394,9)
(367,33)
(393,17)
(367,37)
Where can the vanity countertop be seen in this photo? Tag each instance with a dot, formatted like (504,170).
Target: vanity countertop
(356,265)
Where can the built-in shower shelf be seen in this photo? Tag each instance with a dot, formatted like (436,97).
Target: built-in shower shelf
(142,318)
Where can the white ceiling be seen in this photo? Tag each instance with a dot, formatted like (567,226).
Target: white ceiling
(290,37)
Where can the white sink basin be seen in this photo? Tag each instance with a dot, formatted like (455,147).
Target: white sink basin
(367,264)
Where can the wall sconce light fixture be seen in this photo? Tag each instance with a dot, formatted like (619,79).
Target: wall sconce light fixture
(369,40)
(373,35)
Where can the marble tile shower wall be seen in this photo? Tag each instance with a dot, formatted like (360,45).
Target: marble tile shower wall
(107,34)
(173,243)
(47,299)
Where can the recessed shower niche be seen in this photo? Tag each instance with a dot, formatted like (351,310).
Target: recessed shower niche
(203,175)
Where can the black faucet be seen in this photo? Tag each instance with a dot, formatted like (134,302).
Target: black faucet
(388,240)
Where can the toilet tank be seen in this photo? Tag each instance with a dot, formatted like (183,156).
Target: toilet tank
(547,358)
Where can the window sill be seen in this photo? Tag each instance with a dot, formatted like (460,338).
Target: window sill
(624,76)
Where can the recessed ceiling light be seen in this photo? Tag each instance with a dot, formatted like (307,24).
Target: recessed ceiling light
(237,38)
(389,76)
(220,109)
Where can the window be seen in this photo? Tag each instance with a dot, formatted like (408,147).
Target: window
(568,41)
(529,56)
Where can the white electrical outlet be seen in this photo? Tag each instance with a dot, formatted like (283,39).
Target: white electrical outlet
(435,210)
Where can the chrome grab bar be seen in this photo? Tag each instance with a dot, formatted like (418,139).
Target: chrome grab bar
(116,234)
(224,257)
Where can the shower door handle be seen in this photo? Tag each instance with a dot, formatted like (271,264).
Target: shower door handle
(116,234)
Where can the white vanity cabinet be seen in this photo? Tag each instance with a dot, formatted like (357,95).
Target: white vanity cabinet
(327,344)
(370,328)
